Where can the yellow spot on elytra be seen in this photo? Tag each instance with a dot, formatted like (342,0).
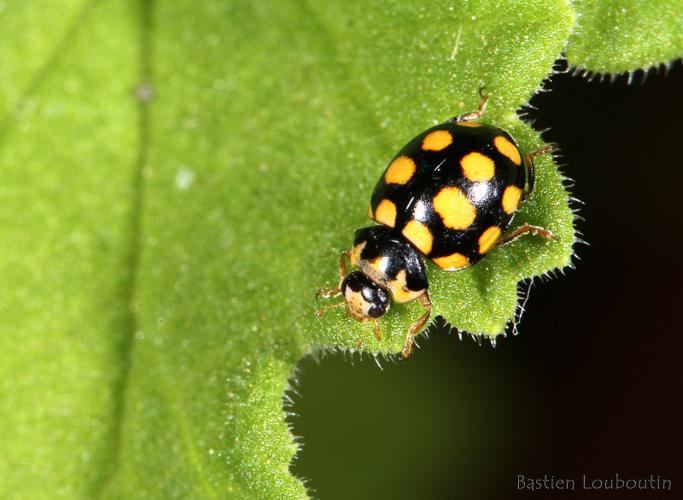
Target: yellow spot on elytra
(511,197)
(452,262)
(419,235)
(386,213)
(506,148)
(400,291)
(488,238)
(437,140)
(370,212)
(469,124)
(477,167)
(455,210)
(400,170)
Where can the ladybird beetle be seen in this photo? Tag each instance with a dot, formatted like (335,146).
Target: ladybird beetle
(449,195)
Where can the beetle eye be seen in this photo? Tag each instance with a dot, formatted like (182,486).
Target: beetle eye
(377,311)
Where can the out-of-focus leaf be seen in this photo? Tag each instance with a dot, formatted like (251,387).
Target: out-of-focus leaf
(614,36)
(68,156)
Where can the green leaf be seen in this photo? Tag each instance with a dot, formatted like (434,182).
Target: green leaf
(616,36)
(68,141)
(161,259)
(283,116)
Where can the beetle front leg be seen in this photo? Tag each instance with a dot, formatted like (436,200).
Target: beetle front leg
(321,312)
(328,293)
(416,327)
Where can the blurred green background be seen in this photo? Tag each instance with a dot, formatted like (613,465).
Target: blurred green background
(592,385)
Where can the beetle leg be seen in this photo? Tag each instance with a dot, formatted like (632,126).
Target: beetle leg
(327,293)
(342,266)
(531,169)
(416,327)
(375,329)
(474,115)
(321,312)
(526,229)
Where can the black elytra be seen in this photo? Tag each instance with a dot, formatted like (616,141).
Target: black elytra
(449,195)
(476,175)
